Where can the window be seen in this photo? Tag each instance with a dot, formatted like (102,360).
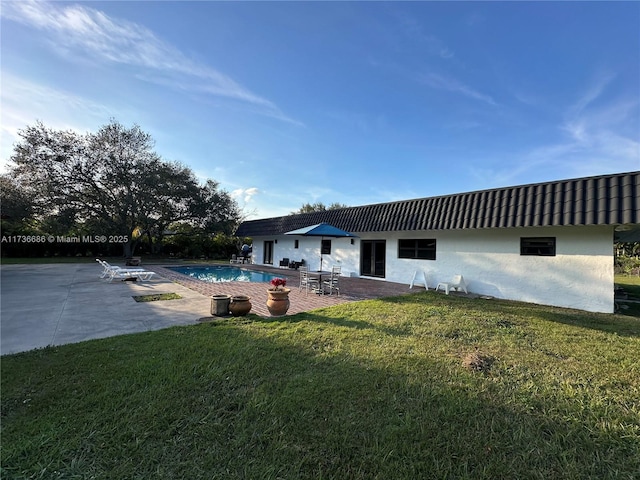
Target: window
(296,243)
(326,247)
(539,246)
(423,249)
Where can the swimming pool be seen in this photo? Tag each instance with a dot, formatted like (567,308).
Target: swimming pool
(224,273)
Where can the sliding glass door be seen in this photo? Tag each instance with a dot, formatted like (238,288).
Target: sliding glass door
(268,253)
(373,258)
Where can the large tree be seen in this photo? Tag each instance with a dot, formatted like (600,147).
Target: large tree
(113,183)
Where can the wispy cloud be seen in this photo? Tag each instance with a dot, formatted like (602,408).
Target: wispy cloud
(91,34)
(597,131)
(604,123)
(591,93)
(414,30)
(450,84)
(24,102)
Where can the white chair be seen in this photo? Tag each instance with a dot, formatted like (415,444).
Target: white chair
(456,284)
(110,269)
(416,279)
(306,282)
(334,280)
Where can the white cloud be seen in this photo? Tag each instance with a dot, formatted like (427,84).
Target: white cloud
(91,34)
(246,194)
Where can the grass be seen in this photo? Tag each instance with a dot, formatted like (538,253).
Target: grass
(631,287)
(369,390)
(156,297)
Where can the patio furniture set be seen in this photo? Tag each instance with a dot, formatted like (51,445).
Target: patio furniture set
(315,280)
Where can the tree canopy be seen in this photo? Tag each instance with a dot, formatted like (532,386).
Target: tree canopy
(318,207)
(112,182)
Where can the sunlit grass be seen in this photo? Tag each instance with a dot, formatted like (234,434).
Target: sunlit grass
(156,297)
(367,390)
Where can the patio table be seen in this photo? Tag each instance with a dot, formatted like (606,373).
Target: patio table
(318,274)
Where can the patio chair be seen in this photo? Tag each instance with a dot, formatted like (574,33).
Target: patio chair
(296,265)
(334,280)
(109,269)
(284,263)
(456,284)
(306,282)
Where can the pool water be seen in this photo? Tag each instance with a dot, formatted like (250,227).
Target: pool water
(223,273)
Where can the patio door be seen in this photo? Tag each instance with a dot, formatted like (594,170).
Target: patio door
(268,253)
(373,257)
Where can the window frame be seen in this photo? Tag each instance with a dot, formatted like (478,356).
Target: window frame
(325,247)
(419,250)
(535,246)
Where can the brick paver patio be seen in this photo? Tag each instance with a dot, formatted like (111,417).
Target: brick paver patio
(351,289)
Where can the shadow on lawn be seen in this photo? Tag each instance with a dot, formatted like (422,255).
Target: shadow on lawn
(618,324)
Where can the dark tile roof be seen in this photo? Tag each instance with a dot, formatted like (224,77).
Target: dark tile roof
(602,200)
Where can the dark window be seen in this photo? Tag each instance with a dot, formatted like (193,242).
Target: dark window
(326,247)
(540,246)
(424,248)
(296,243)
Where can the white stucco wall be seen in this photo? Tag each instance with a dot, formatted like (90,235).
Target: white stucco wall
(342,252)
(579,276)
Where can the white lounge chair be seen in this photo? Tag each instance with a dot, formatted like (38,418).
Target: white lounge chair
(142,275)
(456,284)
(109,269)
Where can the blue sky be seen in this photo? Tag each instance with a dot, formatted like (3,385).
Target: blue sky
(285,103)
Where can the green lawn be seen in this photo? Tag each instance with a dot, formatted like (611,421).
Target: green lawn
(631,286)
(369,390)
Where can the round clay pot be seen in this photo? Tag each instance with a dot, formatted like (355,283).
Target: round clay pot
(278,302)
(240,305)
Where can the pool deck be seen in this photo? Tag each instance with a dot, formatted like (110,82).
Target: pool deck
(55,304)
(351,289)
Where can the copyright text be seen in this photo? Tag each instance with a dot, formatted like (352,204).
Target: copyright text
(65,239)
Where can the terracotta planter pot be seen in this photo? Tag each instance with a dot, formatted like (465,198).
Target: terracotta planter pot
(278,302)
(240,305)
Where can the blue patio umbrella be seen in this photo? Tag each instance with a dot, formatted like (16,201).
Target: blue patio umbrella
(321,230)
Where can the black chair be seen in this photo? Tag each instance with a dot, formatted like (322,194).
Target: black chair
(284,262)
(296,265)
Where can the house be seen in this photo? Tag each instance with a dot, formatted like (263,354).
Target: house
(548,243)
